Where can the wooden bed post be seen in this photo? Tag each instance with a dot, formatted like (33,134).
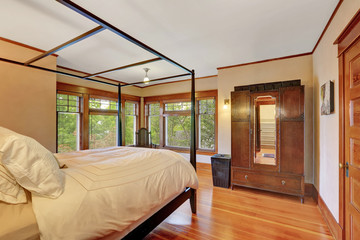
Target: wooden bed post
(119,116)
(193,139)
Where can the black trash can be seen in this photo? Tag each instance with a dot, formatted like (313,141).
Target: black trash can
(220,165)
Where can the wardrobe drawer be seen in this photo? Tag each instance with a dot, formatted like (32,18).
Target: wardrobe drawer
(267,181)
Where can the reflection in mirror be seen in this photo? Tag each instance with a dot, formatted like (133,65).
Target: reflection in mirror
(265,130)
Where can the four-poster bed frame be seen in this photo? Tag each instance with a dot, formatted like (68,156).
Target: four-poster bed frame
(148,225)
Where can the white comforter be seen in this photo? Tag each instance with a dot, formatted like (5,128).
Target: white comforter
(108,189)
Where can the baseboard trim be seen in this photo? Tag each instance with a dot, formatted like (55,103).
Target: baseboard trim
(334,227)
(310,191)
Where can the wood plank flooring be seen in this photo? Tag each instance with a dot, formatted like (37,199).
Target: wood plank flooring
(242,214)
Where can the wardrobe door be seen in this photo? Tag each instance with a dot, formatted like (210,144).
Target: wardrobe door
(240,129)
(292,130)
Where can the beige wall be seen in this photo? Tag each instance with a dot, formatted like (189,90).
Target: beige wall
(326,128)
(272,71)
(267,113)
(28,96)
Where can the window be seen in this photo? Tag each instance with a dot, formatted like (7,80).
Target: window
(102,104)
(102,123)
(178,106)
(154,122)
(206,124)
(130,122)
(168,118)
(177,124)
(68,123)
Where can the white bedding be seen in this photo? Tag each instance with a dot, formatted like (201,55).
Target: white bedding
(107,190)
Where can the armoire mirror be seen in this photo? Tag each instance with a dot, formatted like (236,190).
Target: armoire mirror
(264,130)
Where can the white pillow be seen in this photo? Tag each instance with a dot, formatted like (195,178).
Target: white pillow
(10,190)
(32,165)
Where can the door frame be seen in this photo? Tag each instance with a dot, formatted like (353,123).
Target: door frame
(346,39)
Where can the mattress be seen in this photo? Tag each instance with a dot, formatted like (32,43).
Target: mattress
(108,191)
(18,221)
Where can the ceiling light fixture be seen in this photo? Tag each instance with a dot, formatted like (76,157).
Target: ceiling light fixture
(146,78)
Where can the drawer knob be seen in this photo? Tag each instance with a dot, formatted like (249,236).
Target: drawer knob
(246,177)
(283,182)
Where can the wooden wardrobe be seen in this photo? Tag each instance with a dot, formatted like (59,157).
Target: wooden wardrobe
(276,163)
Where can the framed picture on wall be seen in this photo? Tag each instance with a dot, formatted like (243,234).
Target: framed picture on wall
(327,98)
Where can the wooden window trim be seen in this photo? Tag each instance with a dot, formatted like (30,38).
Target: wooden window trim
(203,150)
(80,112)
(146,112)
(69,93)
(102,112)
(137,114)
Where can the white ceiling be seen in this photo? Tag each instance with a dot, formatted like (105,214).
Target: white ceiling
(199,34)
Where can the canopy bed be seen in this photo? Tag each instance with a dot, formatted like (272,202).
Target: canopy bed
(92,170)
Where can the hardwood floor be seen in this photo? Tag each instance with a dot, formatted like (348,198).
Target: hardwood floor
(243,214)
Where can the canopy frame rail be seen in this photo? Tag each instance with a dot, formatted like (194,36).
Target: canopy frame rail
(66,44)
(124,67)
(103,23)
(54,71)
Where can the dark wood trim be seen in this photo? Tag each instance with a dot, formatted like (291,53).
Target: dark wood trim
(349,34)
(146,227)
(267,60)
(328,24)
(180,96)
(94,92)
(341,142)
(137,111)
(102,112)
(66,44)
(140,115)
(25,45)
(124,67)
(185,80)
(85,73)
(84,134)
(156,79)
(334,227)
(52,71)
